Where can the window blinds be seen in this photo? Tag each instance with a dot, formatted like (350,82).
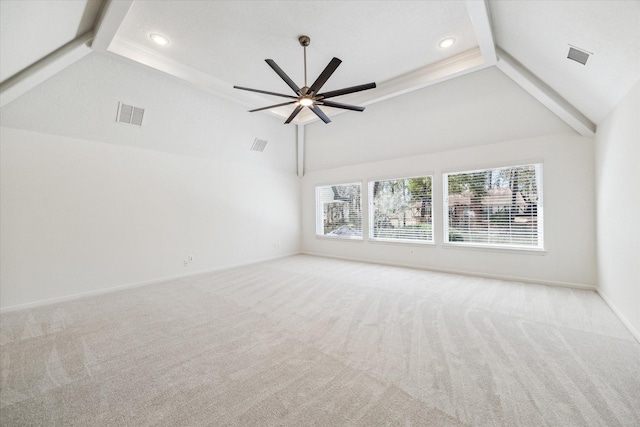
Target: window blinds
(339,210)
(401,209)
(494,207)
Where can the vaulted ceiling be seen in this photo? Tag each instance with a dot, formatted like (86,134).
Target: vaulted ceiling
(217,44)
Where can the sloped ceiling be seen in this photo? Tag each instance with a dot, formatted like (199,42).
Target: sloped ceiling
(539,34)
(31,30)
(217,44)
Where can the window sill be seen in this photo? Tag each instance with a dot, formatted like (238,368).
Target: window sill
(504,249)
(378,240)
(349,239)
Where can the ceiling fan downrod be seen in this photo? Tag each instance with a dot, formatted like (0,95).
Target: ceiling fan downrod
(304,42)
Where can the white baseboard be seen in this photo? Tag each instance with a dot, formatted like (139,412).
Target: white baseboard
(133,285)
(465,273)
(226,267)
(623,319)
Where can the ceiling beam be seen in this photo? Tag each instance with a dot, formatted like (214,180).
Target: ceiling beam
(481,21)
(545,94)
(300,151)
(45,68)
(111,18)
(479,15)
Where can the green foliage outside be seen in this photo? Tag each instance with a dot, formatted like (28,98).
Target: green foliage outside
(402,209)
(495,206)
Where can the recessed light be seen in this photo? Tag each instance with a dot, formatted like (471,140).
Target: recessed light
(448,42)
(159,39)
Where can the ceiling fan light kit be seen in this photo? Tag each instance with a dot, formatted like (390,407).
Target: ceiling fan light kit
(309,96)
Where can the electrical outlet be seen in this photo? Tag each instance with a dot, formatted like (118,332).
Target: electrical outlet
(186,262)
(191,257)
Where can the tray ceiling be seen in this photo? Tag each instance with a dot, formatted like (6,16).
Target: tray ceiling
(218,44)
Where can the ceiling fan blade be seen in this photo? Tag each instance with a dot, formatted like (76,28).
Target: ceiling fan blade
(324,76)
(294,114)
(346,90)
(343,106)
(265,92)
(319,113)
(283,76)
(273,106)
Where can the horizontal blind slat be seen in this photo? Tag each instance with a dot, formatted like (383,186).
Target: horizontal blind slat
(497,207)
(401,209)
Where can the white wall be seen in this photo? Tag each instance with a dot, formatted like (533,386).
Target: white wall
(79,216)
(87,204)
(618,209)
(82,100)
(569,206)
(479,108)
(479,120)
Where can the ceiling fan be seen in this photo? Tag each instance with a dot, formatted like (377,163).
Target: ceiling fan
(308,96)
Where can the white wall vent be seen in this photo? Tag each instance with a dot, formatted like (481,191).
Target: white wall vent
(258,145)
(130,114)
(578,55)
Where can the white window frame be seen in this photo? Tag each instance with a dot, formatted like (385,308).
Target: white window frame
(372,212)
(321,199)
(539,247)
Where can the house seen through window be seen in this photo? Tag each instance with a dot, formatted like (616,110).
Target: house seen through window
(339,211)
(499,207)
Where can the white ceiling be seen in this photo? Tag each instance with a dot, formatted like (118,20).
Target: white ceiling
(538,35)
(31,30)
(217,44)
(231,39)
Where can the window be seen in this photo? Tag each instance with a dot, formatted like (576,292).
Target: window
(401,209)
(339,211)
(494,207)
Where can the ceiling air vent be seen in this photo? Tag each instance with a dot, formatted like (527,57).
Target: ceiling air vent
(578,55)
(130,114)
(258,145)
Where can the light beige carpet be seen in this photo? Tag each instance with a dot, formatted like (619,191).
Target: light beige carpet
(313,341)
